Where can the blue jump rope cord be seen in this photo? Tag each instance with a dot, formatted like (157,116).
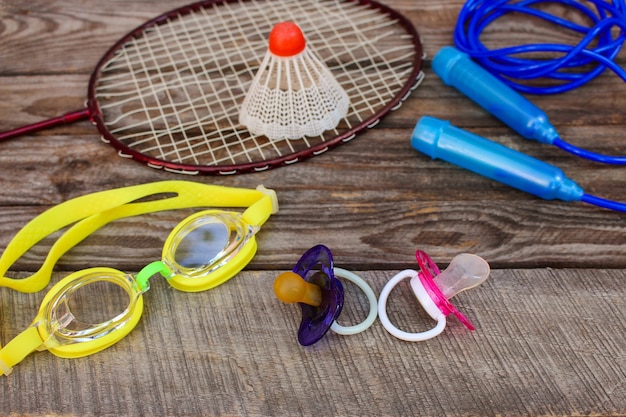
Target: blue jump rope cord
(477,14)
(601,202)
(508,65)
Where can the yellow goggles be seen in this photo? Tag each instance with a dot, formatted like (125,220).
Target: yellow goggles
(203,251)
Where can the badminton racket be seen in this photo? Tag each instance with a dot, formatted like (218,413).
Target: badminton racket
(168,93)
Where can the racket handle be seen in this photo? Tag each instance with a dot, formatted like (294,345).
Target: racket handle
(45,124)
(439,139)
(456,69)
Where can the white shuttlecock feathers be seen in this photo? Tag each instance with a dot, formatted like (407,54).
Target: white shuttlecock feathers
(293,94)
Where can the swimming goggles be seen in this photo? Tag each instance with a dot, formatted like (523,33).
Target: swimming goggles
(203,251)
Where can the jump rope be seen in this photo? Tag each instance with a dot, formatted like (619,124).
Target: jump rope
(494,77)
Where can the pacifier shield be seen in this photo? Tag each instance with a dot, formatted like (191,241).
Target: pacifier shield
(316,267)
(316,321)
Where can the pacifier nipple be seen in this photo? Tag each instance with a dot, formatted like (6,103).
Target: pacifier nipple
(290,287)
(464,272)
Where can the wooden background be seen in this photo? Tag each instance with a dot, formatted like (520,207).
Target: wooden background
(550,336)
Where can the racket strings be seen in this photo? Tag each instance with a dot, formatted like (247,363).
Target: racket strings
(158,57)
(173,92)
(348,46)
(213,116)
(172,119)
(158,113)
(222,103)
(249,145)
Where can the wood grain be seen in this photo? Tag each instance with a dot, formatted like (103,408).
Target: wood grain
(545,344)
(550,338)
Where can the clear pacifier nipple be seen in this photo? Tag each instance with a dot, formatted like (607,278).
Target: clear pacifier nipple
(464,272)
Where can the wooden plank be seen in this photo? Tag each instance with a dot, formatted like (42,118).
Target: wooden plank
(31,99)
(46,37)
(381,211)
(548,342)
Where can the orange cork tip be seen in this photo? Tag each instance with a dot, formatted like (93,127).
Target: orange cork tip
(290,287)
(286,40)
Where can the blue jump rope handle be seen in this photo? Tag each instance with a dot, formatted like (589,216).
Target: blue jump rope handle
(439,139)
(457,69)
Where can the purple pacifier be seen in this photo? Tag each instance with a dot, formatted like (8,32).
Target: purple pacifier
(313,285)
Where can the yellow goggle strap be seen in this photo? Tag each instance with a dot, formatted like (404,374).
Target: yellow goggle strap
(18,348)
(258,213)
(93,211)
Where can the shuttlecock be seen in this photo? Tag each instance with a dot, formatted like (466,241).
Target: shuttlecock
(293,94)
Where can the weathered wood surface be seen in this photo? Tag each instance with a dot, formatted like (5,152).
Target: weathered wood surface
(550,336)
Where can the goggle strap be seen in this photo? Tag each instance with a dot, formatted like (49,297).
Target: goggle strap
(61,216)
(18,348)
(266,205)
(93,211)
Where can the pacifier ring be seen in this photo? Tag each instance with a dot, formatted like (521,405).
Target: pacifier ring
(371,297)
(422,297)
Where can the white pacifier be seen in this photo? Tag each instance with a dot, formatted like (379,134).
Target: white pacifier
(433,289)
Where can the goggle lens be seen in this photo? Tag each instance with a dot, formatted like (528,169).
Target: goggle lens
(200,246)
(204,242)
(75,319)
(90,306)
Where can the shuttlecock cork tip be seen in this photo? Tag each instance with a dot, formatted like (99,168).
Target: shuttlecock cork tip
(286,40)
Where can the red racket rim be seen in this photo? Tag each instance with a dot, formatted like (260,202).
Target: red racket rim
(96,114)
